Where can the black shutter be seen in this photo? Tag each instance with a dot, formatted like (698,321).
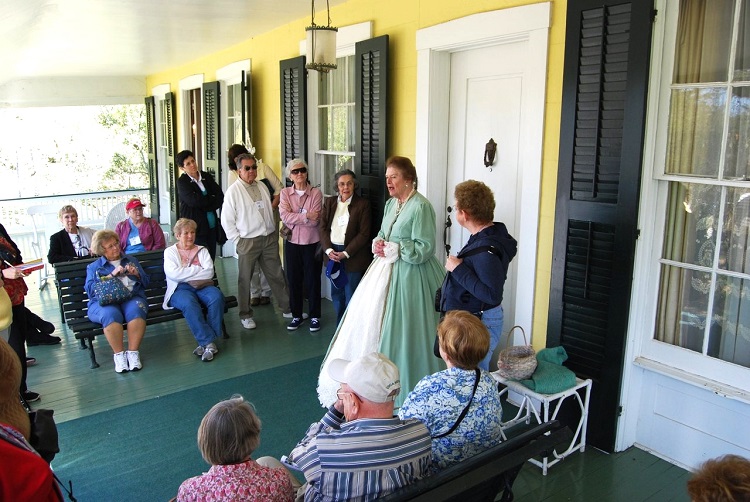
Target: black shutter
(212,130)
(153,174)
(174,203)
(293,110)
(605,80)
(371,115)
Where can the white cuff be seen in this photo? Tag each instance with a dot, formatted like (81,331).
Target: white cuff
(391,252)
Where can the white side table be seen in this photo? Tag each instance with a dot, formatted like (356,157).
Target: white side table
(528,408)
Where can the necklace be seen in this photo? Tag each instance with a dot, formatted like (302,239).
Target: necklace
(400,205)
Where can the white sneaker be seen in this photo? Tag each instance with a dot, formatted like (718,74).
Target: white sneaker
(208,354)
(121,362)
(134,360)
(248,323)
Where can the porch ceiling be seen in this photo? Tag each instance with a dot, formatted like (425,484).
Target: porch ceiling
(46,41)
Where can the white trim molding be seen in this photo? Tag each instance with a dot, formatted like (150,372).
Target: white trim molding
(191,82)
(232,73)
(161,90)
(434,47)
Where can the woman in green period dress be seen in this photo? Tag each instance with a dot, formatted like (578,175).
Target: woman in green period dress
(392,311)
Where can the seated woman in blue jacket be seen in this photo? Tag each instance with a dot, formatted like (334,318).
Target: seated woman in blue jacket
(115,265)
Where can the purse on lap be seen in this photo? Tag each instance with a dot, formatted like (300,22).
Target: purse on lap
(110,290)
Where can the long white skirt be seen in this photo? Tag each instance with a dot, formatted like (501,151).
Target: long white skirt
(360,328)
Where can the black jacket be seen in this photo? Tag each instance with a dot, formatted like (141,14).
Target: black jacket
(477,283)
(195,205)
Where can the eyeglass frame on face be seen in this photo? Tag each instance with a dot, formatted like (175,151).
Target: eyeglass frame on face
(254,167)
(299,170)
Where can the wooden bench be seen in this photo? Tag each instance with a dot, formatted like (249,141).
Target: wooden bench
(482,477)
(70,278)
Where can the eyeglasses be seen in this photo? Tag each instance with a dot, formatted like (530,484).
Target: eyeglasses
(301,170)
(340,393)
(250,168)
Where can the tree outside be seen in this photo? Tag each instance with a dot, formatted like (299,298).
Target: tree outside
(67,150)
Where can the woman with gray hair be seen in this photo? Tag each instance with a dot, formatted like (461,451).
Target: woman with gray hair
(72,242)
(345,235)
(227,437)
(114,265)
(190,287)
(300,211)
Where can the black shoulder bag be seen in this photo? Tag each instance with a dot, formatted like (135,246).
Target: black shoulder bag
(465,411)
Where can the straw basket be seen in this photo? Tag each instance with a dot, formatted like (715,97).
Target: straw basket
(517,363)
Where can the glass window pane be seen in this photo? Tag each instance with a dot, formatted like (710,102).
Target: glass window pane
(734,253)
(692,217)
(351,128)
(339,118)
(324,133)
(742,57)
(729,335)
(339,82)
(350,72)
(683,305)
(737,160)
(696,120)
(704,35)
(324,88)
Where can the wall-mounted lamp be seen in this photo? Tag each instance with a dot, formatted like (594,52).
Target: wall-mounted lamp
(321,44)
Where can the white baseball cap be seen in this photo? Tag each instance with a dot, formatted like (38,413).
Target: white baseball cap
(373,376)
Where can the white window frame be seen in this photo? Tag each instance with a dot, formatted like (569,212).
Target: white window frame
(346,39)
(228,75)
(159,93)
(186,85)
(686,365)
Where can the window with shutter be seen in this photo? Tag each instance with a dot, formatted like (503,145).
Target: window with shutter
(293,110)
(170,133)
(211,129)
(607,51)
(153,174)
(371,106)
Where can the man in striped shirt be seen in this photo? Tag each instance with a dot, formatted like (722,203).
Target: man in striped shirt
(359,451)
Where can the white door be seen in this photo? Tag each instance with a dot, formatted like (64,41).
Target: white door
(485,103)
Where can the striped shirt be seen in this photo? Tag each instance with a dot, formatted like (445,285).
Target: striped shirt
(361,460)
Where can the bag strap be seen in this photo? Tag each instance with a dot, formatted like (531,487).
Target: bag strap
(466,409)
(482,249)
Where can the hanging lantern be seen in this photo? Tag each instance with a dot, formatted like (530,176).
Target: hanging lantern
(321,44)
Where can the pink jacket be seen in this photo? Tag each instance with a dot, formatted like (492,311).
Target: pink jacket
(150,232)
(293,211)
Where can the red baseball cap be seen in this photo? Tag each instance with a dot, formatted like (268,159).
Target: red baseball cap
(134,203)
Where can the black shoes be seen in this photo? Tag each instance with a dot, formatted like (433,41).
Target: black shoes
(42,340)
(30,397)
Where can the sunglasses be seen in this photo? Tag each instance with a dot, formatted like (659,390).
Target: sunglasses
(250,168)
(301,170)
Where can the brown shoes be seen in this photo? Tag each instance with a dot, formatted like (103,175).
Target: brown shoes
(265,300)
(254,302)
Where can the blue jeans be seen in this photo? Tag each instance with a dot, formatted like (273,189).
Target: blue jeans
(493,321)
(191,302)
(341,297)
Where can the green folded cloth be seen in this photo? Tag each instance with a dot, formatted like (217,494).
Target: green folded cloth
(550,376)
(554,355)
